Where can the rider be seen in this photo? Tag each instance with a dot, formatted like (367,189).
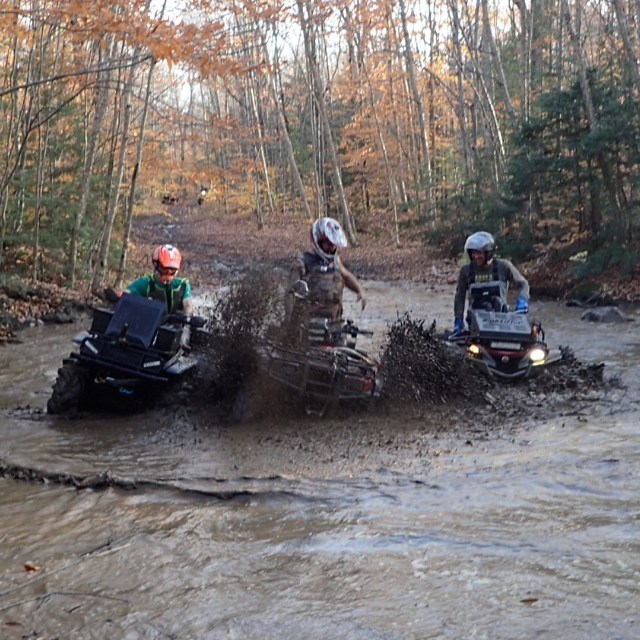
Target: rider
(163,285)
(484,268)
(325,274)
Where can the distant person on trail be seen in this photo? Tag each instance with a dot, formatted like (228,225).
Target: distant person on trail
(324,273)
(484,268)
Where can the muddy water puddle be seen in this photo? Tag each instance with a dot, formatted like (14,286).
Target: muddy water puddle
(375,526)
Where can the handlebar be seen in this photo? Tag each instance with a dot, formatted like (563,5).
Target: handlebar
(352,330)
(197,322)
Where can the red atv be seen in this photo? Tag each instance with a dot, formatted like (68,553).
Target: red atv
(503,343)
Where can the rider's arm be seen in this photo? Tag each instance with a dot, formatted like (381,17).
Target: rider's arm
(297,272)
(187,300)
(520,282)
(461,292)
(187,305)
(351,282)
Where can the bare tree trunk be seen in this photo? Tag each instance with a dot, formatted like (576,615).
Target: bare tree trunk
(364,73)
(538,30)
(260,152)
(128,216)
(319,197)
(284,135)
(390,39)
(589,106)
(497,62)
(425,160)
(102,94)
(319,100)
(460,104)
(41,155)
(222,160)
(525,48)
(257,200)
(490,122)
(15,141)
(391,182)
(134,181)
(102,263)
(625,33)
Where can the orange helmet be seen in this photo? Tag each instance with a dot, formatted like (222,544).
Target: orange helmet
(166,262)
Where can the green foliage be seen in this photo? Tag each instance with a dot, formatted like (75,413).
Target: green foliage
(566,177)
(623,260)
(518,247)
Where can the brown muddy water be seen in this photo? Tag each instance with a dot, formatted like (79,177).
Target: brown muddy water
(371,527)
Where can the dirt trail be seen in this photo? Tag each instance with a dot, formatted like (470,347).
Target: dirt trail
(213,245)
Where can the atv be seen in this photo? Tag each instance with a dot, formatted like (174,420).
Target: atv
(503,343)
(126,353)
(312,364)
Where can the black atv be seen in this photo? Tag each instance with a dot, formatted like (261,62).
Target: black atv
(127,353)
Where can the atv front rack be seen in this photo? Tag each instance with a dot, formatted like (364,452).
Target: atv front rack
(322,376)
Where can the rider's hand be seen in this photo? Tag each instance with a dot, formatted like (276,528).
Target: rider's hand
(458,325)
(522,304)
(362,298)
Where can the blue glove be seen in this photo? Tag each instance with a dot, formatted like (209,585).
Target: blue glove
(522,304)
(458,325)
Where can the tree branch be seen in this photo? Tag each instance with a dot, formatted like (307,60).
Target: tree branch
(72,74)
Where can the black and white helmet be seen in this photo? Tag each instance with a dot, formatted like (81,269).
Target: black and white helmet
(327,229)
(481,241)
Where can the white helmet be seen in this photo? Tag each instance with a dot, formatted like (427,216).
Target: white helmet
(481,241)
(327,229)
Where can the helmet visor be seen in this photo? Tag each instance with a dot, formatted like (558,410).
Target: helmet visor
(167,271)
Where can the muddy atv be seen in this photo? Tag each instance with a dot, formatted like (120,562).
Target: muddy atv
(127,356)
(317,376)
(502,343)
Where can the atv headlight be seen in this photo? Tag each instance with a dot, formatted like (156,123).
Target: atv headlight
(537,355)
(152,363)
(474,349)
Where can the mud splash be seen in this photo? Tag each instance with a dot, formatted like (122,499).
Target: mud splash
(420,370)
(419,367)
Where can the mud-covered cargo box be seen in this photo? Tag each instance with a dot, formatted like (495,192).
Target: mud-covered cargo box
(500,326)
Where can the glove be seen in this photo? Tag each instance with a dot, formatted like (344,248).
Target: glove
(458,325)
(522,304)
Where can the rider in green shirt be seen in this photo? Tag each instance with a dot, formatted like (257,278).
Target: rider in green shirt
(163,285)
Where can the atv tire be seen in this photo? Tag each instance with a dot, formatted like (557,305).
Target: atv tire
(246,404)
(68,390)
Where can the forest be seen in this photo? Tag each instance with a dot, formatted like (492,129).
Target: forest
(409,118)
